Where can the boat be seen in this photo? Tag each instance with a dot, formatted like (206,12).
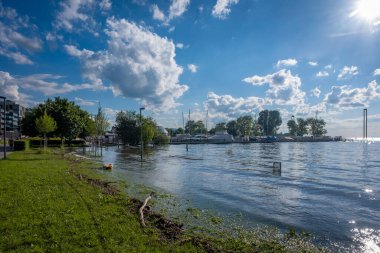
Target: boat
(221,137)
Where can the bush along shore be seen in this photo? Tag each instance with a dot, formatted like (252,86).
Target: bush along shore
(52,202)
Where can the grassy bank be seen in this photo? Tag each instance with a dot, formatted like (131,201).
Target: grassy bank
(45,207)
(52,203)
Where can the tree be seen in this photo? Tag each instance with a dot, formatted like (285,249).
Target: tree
(316,127)
(302,127)
(101,122)
(180,131)
(45,124)
(244,125)
(193,127)
(220,126)
(232,128)
(293,127)
(269,121)
(128,128)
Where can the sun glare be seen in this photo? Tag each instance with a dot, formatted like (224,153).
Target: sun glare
(368,9)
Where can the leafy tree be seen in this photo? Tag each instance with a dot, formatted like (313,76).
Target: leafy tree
(101,122)
(245,125)
(220,126)
(193,127)
(180,131)
(270,121)
(232,128)
(316,126)
(302,127)
(128,128)
(293,127)
(45,124)
(28,123)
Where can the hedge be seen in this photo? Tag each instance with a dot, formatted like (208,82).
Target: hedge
(21,144)
(54,142)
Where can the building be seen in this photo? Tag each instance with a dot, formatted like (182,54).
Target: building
(14,113)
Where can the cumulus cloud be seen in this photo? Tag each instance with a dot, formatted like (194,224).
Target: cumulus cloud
(344,97)
(322,74)
(17,36)
(192,67)
(227,107)
(376,72)
(313,63)
(137,63)
(284,88)
(328,66)
(286,63)
(347,72)
(222,8)
(316,92)
(83,102)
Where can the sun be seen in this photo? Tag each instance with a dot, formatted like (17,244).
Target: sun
(368,10)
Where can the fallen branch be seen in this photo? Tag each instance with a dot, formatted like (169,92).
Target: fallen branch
(142,209)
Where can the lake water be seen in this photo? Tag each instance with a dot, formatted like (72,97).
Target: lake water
(329,189)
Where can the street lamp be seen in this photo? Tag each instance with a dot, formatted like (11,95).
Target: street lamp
(141,134)
(5,127)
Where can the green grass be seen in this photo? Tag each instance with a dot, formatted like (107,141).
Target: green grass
(53,203)
(44,207)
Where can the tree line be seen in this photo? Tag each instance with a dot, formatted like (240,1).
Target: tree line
(64,119)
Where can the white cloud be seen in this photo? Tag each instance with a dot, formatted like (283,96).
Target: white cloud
(347,72)
(222,8)
(284,88)
(46,84)
(17,36)
(83,102)
(157,13)
(192,67)
(177,8)
(105,5)
(328,66)
(286,63)
(75,12)
(376,72)
(226,107)
(344,97)
(316,92)
(137,63)
(180,45)
(322,74)
(313,63)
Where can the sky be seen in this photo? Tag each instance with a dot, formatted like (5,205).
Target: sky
(229,58)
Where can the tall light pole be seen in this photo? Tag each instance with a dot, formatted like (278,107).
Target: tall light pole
(141,135)
(5,127)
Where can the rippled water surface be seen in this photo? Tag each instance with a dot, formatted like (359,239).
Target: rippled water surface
(329,189)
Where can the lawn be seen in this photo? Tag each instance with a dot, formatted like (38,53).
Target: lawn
(50,204)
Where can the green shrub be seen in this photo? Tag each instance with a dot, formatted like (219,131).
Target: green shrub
(21,145)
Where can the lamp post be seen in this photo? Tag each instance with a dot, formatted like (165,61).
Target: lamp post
(141,135)
(5,127)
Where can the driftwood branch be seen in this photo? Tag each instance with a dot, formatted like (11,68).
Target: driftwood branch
(142,209)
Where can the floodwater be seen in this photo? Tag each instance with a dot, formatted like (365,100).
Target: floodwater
(331,190)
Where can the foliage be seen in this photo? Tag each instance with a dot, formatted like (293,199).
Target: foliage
(232,128)
(128,128)
(316,126)
(71,120)
(160,138)
(270,121)
(101,122)
(21,145)
(293,127)
(180,131)
(244,125)
(45,124)
(193,127)
(302,127)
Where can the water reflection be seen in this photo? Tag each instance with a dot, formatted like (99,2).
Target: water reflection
(330,189)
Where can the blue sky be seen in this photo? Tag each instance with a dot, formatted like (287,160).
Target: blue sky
(230,57)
